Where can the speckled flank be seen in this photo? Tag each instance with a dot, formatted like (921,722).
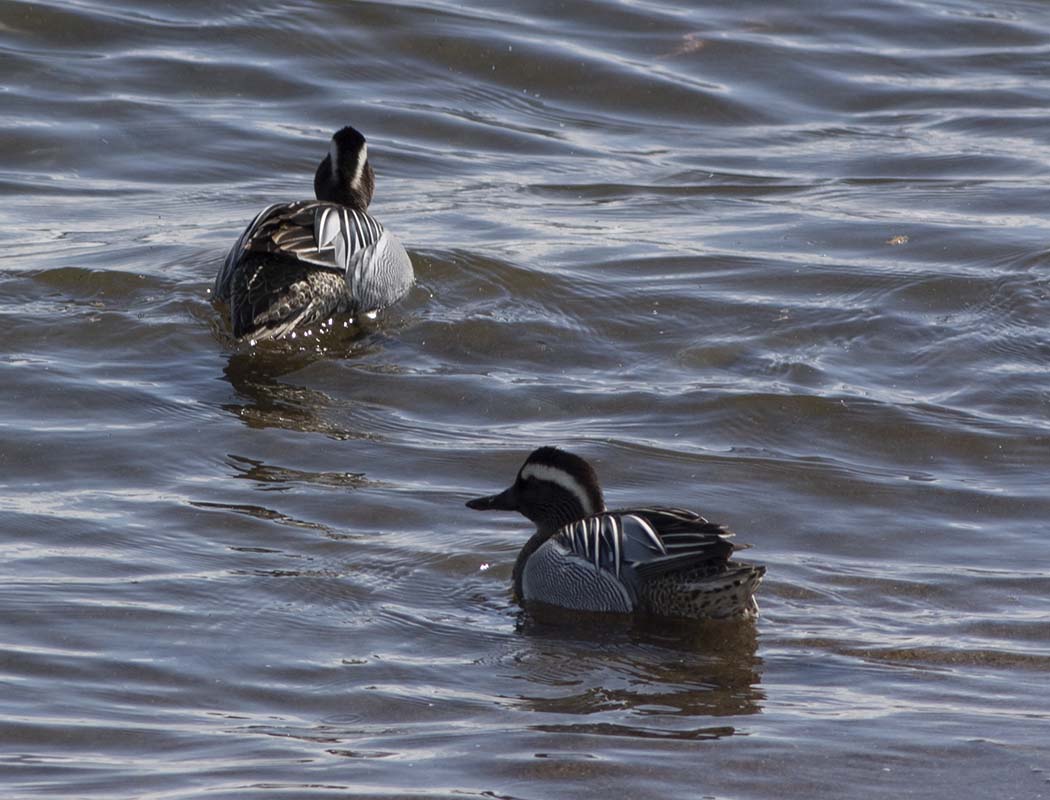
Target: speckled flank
(705,593)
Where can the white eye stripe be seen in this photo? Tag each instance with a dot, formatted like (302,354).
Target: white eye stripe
(563,479)
(362,158)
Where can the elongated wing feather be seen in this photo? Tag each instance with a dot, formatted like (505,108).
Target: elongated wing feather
(348,233)
(650,541)
(326,235)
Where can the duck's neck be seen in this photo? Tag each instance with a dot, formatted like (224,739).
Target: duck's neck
(538,538)
(354,191)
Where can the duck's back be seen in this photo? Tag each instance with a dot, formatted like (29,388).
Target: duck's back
(662,561)
(300,263)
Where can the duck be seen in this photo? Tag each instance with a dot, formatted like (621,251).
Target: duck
(300,264)
(651,561)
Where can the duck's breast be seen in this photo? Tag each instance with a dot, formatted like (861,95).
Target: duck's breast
(556,575)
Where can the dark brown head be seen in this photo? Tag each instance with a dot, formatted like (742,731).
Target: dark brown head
(344,175)
(553,488)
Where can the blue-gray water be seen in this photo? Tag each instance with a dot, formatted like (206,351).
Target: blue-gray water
(784,263)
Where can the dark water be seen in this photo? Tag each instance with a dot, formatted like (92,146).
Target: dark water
(785,263)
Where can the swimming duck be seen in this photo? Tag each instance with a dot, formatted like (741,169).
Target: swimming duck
(299,264)
(666,562)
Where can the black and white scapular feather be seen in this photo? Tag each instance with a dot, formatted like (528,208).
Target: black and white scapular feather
(667,562)
(301,264)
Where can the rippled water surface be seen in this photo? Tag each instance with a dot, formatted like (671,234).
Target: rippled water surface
(784,263)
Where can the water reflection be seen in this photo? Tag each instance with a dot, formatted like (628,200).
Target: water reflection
(273,403)
(648,676)
(275,477)
(262,513)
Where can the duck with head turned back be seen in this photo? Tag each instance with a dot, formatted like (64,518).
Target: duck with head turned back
(300,264)
(666,562)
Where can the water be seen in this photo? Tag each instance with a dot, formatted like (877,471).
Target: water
(786,264)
